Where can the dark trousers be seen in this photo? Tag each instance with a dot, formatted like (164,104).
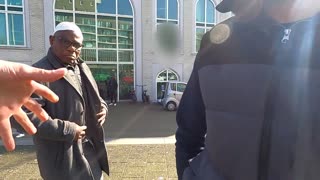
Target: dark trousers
(113,97)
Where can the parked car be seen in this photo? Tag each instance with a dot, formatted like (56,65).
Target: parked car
(172,94)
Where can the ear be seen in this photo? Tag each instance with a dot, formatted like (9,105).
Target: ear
(51,39)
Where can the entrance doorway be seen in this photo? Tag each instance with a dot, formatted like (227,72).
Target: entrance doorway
(163,77)
(124,74)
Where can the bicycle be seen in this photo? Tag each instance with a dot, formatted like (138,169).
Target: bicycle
(132,95)
(145,97)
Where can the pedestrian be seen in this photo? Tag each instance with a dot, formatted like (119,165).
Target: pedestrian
(162,91)
(107,88)
(112,89)
(250,109)
(17,84)
(70,144)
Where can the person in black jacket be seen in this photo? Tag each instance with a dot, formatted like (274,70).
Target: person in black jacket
(250,109)
(112,87)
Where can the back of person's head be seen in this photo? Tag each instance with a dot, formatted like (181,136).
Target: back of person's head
(246,9)
(225,6)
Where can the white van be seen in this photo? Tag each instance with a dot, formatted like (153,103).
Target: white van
(172,94)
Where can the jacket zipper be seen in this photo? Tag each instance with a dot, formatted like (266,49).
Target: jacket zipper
(286,35)
(287,31)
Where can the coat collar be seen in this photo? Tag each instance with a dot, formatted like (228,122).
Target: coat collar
(265,23)
(56,63)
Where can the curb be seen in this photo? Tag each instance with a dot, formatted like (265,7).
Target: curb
(27,141)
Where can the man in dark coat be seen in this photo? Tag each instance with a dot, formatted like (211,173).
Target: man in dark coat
(70,144)
(112,89)
(250,110)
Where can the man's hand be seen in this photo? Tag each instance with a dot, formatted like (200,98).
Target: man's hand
(102,116)
(80,132)
(17,85)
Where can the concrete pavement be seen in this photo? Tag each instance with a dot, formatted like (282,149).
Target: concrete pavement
(140,142)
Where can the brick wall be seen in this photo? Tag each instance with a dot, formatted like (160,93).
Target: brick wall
(34,36)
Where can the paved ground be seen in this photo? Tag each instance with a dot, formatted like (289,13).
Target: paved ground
(128,120)
(139,140)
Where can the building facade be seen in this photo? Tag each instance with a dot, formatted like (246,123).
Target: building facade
(143,43)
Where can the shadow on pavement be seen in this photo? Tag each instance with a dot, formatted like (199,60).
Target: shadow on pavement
(127,161)
(138,120)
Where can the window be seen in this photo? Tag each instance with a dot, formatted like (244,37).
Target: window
(126,80)
(12,24)
(167,11)
(205,19)
(81,5)
(107,28)
(174,86)
(181,87)
(167,75)
(162,78)
(168,24)
(108,37)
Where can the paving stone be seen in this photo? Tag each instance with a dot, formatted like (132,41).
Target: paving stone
(22,165)
(128,161)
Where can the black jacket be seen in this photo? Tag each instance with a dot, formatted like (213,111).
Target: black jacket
(112,85)
(251,107)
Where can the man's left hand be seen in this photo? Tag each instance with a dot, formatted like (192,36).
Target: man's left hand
(102,116)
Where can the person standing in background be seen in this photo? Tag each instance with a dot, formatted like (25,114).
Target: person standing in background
(107,89)
(112,89)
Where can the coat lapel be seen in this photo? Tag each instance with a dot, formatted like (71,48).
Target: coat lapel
(88,75)
(68,77)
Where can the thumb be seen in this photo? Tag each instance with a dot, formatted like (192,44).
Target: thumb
(83,127)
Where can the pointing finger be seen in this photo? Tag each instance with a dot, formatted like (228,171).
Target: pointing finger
(44,91)
(6,135)
(22,118)
(36,108)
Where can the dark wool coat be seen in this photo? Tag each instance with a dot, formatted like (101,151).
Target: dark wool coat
(59,156)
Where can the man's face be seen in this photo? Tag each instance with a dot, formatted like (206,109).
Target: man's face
(66,45)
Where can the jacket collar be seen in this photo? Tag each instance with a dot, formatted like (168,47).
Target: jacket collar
(266,23)
(56,63)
